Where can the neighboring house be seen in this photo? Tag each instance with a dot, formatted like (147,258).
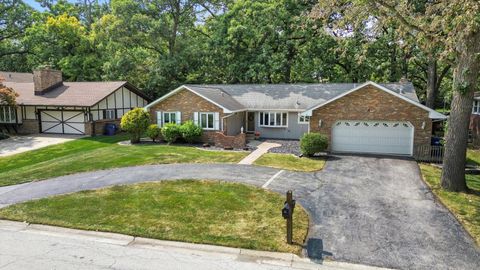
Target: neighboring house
(47,104)
(365,118)
(475,120)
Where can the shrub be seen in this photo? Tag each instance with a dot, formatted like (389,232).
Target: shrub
(312,143)
(171,132)
(135,122)
(153,132)
(190,132)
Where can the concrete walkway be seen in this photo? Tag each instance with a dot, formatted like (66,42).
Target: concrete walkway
(260,151)
(20,144)
(29,246)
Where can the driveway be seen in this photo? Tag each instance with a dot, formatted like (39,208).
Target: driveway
(365,210)
(20,144)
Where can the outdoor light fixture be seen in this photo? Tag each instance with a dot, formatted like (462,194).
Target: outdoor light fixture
(423,125)
(320,123)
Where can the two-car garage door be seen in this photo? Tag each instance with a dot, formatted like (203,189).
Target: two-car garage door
(380,137)
(62,122)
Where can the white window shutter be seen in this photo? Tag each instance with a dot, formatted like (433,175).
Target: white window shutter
(178,117)
(159,118)
(216,120)
(195,118)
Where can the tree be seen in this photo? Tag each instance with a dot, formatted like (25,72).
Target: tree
(455,27)
(135,122)
(7,95)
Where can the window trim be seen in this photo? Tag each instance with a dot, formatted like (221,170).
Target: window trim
(261,116)
(169,117)
(305,117)
(476,106)
(206,120)
(112,111)
(11,112)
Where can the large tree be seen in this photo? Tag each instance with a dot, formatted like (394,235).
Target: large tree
(453,26)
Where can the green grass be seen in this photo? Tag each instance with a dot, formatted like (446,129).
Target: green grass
(466,207)
(208,212)
(97,153)
(473,157)
(291,162)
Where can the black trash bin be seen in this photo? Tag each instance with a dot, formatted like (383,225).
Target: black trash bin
(110,129)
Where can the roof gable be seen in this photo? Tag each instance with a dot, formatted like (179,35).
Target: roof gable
(432,113)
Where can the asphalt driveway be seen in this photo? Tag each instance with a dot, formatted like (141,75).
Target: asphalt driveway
(364,210)
(377,211)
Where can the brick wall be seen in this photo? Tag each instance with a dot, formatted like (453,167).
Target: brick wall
(29,127)
(97,127)
(221,140)
(185,102)
(371,103)
(475,128)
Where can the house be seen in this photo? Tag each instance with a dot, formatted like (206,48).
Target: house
(361,118)
(475,120)
(47,104)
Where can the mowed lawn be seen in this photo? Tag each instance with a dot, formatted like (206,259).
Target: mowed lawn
(97,153)
(208,212)
(291,162)
(465,206)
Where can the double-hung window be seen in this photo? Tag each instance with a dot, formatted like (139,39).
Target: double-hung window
(168,117)
(302,119)
(273,119)
(7,114)
(108,114)
(476,107)
(207,120)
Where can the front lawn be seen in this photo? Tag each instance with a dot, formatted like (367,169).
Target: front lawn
(208,212)
(473,157)
(466,207)
(291,162)
(97,153)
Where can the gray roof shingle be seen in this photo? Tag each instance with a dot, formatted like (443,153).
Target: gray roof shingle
(284,96)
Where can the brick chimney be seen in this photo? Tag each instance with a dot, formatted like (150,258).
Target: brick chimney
(45,79)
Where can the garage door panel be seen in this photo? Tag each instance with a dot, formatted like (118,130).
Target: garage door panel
(384,137)
(63,122)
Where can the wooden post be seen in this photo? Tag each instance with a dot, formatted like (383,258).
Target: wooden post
(290,218)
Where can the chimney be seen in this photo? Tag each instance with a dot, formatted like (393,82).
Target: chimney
(45,79)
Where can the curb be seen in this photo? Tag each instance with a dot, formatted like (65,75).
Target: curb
(262,257)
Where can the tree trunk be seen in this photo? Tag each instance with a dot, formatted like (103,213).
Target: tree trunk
(431,82)
(465,78)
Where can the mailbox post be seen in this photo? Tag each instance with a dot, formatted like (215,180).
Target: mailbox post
(287,213)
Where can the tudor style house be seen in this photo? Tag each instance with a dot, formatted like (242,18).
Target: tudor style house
(360,118)
(47,104)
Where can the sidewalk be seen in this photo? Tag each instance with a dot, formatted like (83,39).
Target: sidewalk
(30,246)
(261,149)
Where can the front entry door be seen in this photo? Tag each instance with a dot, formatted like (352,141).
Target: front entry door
(250,121)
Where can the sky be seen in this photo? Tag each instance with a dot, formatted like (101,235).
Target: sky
(37,6)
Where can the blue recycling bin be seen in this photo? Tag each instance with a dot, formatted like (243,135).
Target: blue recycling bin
(110,129)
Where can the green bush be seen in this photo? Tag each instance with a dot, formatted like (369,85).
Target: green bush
(312,143)
(135,122)
(171,132)
(153,132)
(190,132)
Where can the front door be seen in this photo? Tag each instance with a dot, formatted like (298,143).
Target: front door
(250,121)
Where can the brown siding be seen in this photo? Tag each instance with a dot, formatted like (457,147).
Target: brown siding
(29,127)
(371,103)
(187,103)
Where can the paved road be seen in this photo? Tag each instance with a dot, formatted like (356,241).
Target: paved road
(366,210)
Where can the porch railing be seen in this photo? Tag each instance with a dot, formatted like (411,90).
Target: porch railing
(429,153)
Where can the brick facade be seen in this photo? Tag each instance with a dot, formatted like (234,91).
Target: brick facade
(371,103)
(187,103)
(97,127)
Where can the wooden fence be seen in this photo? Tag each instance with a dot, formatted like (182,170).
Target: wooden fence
(428,153)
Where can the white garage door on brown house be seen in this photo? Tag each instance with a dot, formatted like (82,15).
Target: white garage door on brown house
(376,137)
(62,122)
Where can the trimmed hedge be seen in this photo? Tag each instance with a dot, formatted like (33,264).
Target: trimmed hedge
(312,143)
(190,132)
(171,132)
(153,131)
(135,122)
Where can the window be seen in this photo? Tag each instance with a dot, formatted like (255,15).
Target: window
(7,114)
(207,120)
(169,117)
(273,119)
(108,114)
(476,107)
(302,119)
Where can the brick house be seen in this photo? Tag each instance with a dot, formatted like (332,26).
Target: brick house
(47,104)
(360,118)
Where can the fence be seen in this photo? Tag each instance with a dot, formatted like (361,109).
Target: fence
(429,153)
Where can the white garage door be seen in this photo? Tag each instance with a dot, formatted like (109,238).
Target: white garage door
(63,122)
(381,137)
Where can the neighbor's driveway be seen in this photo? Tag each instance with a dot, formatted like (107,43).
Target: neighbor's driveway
(365,210)
(19,144)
